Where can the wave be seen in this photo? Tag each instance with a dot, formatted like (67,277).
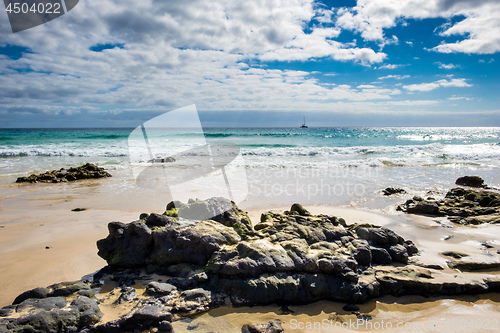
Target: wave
(43,153)
(103,136)
(434,150)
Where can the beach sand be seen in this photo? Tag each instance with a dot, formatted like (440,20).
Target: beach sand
(42,242)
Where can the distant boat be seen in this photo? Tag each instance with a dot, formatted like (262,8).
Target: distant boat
(304,124)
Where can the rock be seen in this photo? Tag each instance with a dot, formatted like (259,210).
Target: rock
(86,171)
(135,244)
(160,289)
(89,312)
(127,294)
(462,206)
(165,326)
(193,301)
(54,315)
(192,244)
(221,210)
(274,326)
(424,208)
(127,245)
(454,254)
(48,304)
(380,256)
(182,270)
(145,318)
(377,235)
(33,293)
(151,315)
(472,266)
(67,288)
(297,208)
(398,253)
(79,209)
(293,289)
(472,181)
(251,259)
(160,159)
(393,190)
(157,220)
(7,310)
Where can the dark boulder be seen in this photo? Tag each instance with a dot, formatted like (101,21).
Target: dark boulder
(472,181)
(380,256)
(157,220)
(127,245)
(424,208)
(33,293)
(54,315)
(393,190)
(160,289)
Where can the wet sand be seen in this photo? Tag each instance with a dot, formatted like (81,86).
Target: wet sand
(43,242)
(386,314)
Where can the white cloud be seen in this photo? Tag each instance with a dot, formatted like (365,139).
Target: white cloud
(480,28)
(389,66)
(324,15)
(446,66)
(320,44)
(396,77)
(178,53)
(459,83)
(460,98)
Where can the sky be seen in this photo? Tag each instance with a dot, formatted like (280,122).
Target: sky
(118,63)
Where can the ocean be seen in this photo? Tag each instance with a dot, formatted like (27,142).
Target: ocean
(320,166)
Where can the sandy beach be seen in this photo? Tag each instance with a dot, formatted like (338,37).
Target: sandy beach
(42,242)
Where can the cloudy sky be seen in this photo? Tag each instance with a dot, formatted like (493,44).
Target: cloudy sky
(117,63)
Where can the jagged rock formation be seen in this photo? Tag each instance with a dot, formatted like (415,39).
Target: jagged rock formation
(86,171)
(288,258)
(461,205)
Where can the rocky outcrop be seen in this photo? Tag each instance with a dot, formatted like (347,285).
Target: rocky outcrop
(461,205)
(393,190)
(311,257)
(87,171)
(52,314)
(189,266)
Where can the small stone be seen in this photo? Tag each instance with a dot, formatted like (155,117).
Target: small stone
(79,209)
(454,254)
(393,190)
(160,289)
(486,245)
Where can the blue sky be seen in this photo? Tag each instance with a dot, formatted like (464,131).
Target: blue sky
(118,63)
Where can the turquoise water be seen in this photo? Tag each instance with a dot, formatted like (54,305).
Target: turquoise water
(346,166)
(30,150)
